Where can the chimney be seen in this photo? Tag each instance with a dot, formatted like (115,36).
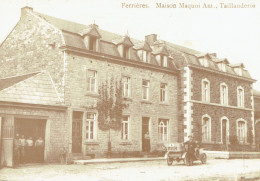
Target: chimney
(25,9)
(150,39)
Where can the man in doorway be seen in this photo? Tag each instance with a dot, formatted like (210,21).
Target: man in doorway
(22,151)
(190,146)
(29,149)
(17,150)
(39,149)
(147,141)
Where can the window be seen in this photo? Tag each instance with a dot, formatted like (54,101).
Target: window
(126,52)
(163,129)
(163,92)
(240,97)
(145,86)
(90,126)
(206,128)
(238,71)
(126,86)
(223,94)
(163,61)
(222,67)
(241,131)
(125,128)
(92,43)
(92,81)
(204,62)
(205,90)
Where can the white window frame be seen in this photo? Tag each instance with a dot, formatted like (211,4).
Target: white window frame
(240,97)
(162,124)
(242,140)
(126,86)
(204,62)
(163,93)
(222,67)
(88,123)
(223,94)
(90,79)
(206,138)
(227,129)
(238,71)
(205,93)
(146,88)
(124,131)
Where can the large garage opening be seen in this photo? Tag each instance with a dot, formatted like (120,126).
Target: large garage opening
(32,130)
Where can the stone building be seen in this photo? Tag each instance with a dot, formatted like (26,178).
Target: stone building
(257,118)
(172,91)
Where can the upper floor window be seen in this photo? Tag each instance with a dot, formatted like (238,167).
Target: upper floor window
(145,86)
(240,97)
(241,131)
(92,43)
(223,94)
(126,52)
(163,92)
(238,71)
(125,128)
(163,60)
(222,67)
(126,86)
(204,62)
(92,81)
(90,125)
(163,129)
(206,128)
(205,90)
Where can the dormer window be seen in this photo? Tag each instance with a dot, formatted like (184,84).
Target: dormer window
(238,71)
(143,51)
(126,52)
(92,43)
(163,60)
(222,67)
(204,62)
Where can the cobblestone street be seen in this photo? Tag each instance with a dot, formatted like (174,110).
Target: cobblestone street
(145,170)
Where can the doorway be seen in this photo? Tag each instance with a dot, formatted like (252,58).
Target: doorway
(77,119)
(145,134)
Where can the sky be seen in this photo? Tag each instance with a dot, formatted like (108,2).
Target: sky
(231,33)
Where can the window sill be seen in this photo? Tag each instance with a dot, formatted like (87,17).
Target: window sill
(91,143)
(92,94)
(125,142)
(164,104)
(207,142)
(127,99)
(146,102)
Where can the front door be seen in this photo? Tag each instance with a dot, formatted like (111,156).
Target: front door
(7,137)
(145,132)
(77,131)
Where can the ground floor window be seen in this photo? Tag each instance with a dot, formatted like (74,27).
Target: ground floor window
(90,126)
(206,128)
(125,128)
(241,131)
(163,129)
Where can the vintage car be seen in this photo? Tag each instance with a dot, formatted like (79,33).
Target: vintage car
(177,152)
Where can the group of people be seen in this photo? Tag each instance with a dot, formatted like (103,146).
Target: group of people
(26,150)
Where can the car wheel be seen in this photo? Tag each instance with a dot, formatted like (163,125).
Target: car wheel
(169,161)
(203,158)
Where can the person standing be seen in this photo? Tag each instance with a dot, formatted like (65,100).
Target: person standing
(190,149)
(17,150)
(22,148)
(29,150)
(147,141)
(39,149)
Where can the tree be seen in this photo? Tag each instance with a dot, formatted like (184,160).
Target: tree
(110,106)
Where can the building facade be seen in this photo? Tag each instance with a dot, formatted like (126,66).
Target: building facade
(171,91)
(257,118)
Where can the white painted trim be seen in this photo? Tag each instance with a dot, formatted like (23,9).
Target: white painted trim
(246,138)
(243,96)
(221,93)
(220,105)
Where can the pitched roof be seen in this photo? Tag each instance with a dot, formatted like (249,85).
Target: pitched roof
(35,88)
(181,55)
